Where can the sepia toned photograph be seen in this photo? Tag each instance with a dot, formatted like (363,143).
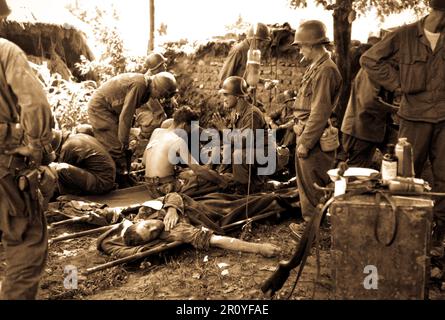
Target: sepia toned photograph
(245,152)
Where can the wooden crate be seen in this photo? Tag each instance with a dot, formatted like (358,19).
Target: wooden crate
(402,268)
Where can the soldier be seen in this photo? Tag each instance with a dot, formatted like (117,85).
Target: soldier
(160,109)
(243,115)
(368,123)
(316,98)
(156,63)
(83,165)
(113,106)
(236,61)
(25,136)
(418,51)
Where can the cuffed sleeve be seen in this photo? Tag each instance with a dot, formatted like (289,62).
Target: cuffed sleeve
(174,200)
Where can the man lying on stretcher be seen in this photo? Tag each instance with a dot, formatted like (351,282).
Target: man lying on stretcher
(168,223)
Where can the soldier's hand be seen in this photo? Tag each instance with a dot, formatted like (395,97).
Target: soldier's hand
(302,151)
(218,121)
(171,219)
(33,154)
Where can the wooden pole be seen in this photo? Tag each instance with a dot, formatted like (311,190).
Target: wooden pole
(151,41)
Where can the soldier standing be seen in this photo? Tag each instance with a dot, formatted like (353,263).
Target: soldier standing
(316,98)
(25,136)
(418,50)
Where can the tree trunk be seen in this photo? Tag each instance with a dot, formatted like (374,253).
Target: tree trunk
(151,41)
(342,40)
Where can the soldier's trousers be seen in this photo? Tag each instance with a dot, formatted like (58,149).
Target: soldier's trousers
(312,169)
(428,141)
(74,180)
(25,243)
(361,152)
(106,129)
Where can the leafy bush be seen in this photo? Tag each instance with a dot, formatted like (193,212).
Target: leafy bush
(112,61)
(68,99)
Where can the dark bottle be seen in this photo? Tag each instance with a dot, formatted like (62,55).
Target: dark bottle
(389,165)
(404,153)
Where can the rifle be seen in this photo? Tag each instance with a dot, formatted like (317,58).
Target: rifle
(276,281)
(133,257)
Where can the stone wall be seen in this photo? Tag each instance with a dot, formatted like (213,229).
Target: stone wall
(199,82)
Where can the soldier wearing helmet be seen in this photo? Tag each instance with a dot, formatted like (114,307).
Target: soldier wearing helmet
(25,136)
(151,115)
(316,98)
(156,63)
(112,108)
(235,64)
(243,115)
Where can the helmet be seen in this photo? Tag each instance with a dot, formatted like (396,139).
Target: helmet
(311,32)
(235,86)
(4,9)
(259,31)
(166,84)
(438,5)
(154,60)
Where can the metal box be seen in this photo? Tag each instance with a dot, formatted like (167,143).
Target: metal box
(364,265)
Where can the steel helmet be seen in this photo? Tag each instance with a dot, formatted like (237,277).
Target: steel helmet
(4,9)
(166,84)
(259,31)
(155,60)
(310,33)
(235,86)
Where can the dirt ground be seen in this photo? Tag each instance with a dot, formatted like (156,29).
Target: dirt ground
(185,273)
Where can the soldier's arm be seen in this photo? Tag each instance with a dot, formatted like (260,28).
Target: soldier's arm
(229,66)
(324,88)
(376,62)
(35,114)
(132,101)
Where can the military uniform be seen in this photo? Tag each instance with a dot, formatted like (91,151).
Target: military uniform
(25,118)
(421,78)
(247,116)
(111,111)
(367,123)
(236,61)
(88,168)
(316,98)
